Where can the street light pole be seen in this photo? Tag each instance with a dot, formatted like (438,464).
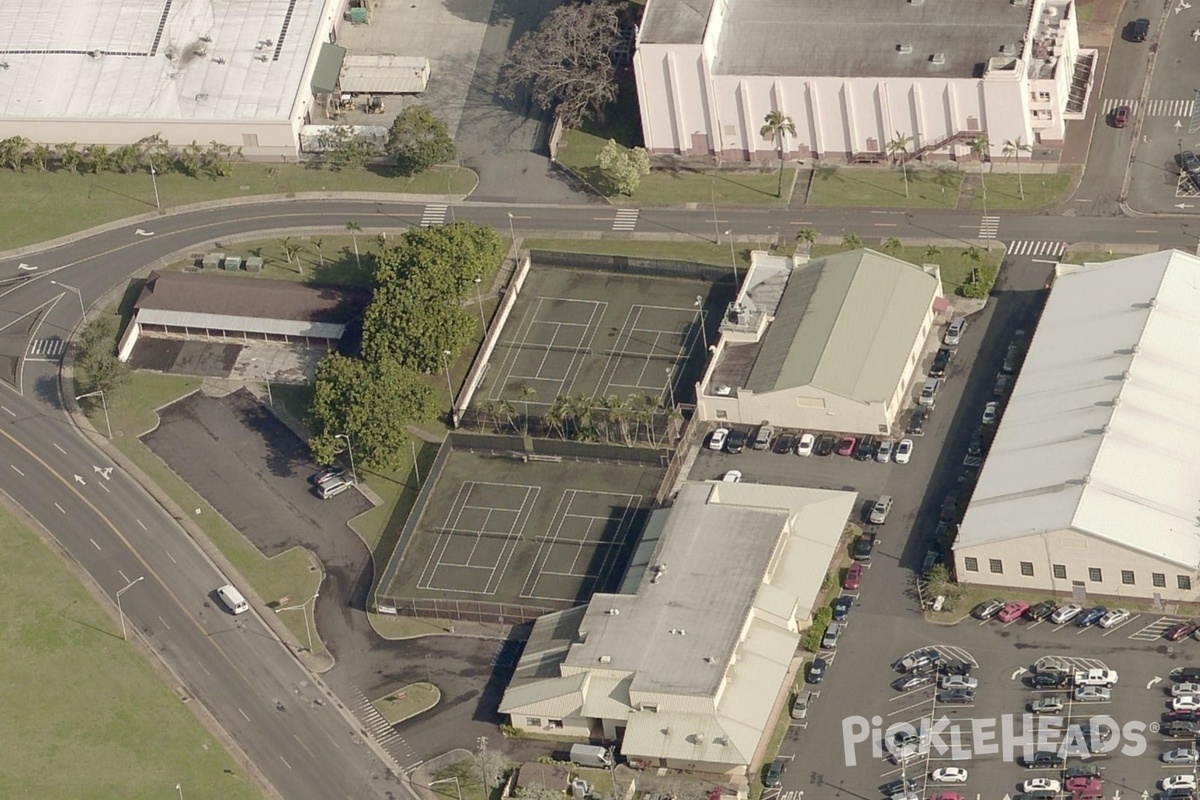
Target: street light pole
(671,387)
(449,386)
(120,611)
(307,629)
(178,786)
(511,230)
(158,205)
(104,403)
(349,447)
(703,333)
(82,310)
(479,300)
(732,257)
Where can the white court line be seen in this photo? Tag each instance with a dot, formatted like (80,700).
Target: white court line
(546,547)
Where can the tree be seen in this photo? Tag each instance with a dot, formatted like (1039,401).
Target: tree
(355,229)
(154,153)
(851,241)
(342,146)
(806,236)
(979,146)
(898,149)
(623,168)
(891,245)
(68,156)
(317,242)
(96,158)
(216,160)
(291,250)
(527,393)
(12,152)
(373,404)
(566,62)
(417,140)
(39,156)
(97,367)
(932,251)
(189,160)
(125,159)
(774,127)
(1014,148)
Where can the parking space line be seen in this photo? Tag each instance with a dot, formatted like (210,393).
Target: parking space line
(1116,628)
(910,708)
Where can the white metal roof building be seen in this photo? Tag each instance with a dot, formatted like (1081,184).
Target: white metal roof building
(689,671)
(1093,480)
(115,71)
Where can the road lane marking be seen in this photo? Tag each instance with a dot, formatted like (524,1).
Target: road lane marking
(124,577)
(243,713)
(284,760)
(10,413)
(93,541)
(884,224)
(139,522)
(168,552)
(1139,230)
(59,449)
(60,508)
(164,622)
(14,466)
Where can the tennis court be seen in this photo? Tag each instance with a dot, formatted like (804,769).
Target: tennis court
(547,532)
(597,334)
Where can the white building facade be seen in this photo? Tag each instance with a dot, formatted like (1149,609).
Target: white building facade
(938,73)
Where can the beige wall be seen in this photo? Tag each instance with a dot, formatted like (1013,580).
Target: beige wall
(1077,553)
(806,408)
(533,723)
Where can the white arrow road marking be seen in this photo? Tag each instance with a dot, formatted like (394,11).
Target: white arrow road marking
(79,479)
(1017,673)
(105,472)
(1153,681)
(1145,795)
(1117,795)
(26,267)
(140,232)
(1178,124)
(1184,205)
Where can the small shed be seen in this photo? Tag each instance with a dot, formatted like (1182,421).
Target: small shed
(254,264)
(384,74)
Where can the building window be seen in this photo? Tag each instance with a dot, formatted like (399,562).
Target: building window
(1159,580)
(996,566)
(1095,575)
(722,414)
(1127,577)
(1043,97)
(971,564)
(1027,569)
(533,722)
(1060,571)
(1185,582)
(554,723)
(249,140)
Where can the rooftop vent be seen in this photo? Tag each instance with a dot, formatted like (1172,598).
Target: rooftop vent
(263,58)
(904,48)
(97,54)
(1087,479)
(219,60)
(1008,49)
(605,659)
(1050,11)
(1137,348)
(613,612)
(1153,302)
(937,58)
(678,632)
(1020,2)
(916,2)
(709,660)
(202,96)
(200,49)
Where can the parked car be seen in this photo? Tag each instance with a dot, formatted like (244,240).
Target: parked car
(763,437)
(832,631)
(916,423)
(1181,729)
(990,411)
(864,545)
(1041,784)
(1003,380)
(825,444)
(1012,611)
(1082,785)
(800,704)
(1120,116)
(1065,613)
(841,608)
(941,360)
(881,509)
(1139,29)
(774,776)
(1181,630)
(1181,716)
(333,487)
(975,446)
(1187,674)
(865,449)
(328,474)
(1043,759)
(955,330)
(1090,617)
(1049,680)
(1040,611)
(988,609)
(784,444)
(904,451)
(1187,702)
(717,440)
(919,660)
(949,511)
(1092,694)
(883,454)
(913,681)
(1182,781)
(929,392)
(736,441)
(853,577)
(949,775)
(1082,771)
(956,697)
(959,682)
(1189,163)
(816,670)
(1012,359)
(1114,618)
(947,796)
(846,446)
(1183,689)
(1180,755)
(732,476)
(805,446)
(898,786)
(1050,704)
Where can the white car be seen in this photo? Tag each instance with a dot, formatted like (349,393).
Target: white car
(717,440)
(955,330)
(1179,782)
(990,411)
(733,476)
(1041,784)
(1051,704)
(805,446)
(884,454)
(960,682)
(1066,613)
(1183,689)
(1188,702)
(904,451)
(1180,755)
(1114,617)
(949,775)
(1092,694)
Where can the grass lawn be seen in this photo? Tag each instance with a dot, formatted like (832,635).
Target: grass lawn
(37,206)
(1004,191)
(405,703)
(1084,256)
(333,262)
(954,266)
(84,715)
(470,784)
(843,187)
(697,252)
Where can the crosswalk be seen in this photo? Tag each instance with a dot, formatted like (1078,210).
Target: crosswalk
(404,757)
(435,214)
(1153,108)
(626,219)
(50,349)
(988,227)
(1033,248)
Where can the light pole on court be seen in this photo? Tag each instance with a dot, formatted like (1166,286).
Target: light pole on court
(103,403)
(479,301)
(449,386)
(120,611)
(307,629)
(82,310)
(703,333)
(732,257)
(670,386)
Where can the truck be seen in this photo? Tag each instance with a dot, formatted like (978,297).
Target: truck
(590,755)
(1096,677)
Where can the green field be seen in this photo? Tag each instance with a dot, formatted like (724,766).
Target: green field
(84,715)
(37,206)
(954,266)
(1004,191)
(318,259)
(885,188)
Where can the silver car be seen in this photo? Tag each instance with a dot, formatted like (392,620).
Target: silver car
(1051,704)
(884,454)
(1092,694)
(955,331)
(1180,755)
(881,509)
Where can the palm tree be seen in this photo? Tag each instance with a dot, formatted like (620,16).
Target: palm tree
(12,152)
(979,146)
(39,156)
(506,408)
(527,393)
(1014,148)
(674,424)
(555,416)
(776,125)
(320,255)
(932,251)
(68,156)
(898,149)
(355,229)
(974,257)
(807,236)
(484,409)
(851,241)
(891,245)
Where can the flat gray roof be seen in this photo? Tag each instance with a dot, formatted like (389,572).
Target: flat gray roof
(675,21)
(859,38)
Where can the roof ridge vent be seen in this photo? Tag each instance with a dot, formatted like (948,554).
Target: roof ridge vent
(1137,348)
(1020,2)
(937,58)
(904,48)
(1153,302)
(605,659)
(916,2)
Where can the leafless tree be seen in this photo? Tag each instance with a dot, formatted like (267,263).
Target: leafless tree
(566,61)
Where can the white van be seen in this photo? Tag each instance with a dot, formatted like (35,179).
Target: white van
(929,392)
(233,599)
(333,487)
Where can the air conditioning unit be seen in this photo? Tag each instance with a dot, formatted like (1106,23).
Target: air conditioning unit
(937,59)
(1008,49)
(904,49)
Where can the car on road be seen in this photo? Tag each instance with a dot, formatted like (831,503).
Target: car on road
(1120,116)
(846,446)
(865,543)
(1049,680)
(1012,611)
(988,609)
(865,449)
(960,682)
(841,608)
(800,704)
(1187,702)
(774,776)
(853,577)
(904,451)
(825,444)
(918,660)
(884,453)
(732,476)
(1181,630)
(913,681)
(805,446)
(949,775)
(1138,30)
(941,360)
(1092,694)
(1189,163)
(1065,613)
(956,697)
(880,511)
(784,444)
(1050,704)
(916,423)
(1184,689)
(1181,729)
(1114,618)
(955,331)
(1090,617)
(1041,784)
(816,670)
(735,442)
(990,412)
(717,440)
(1040,611)
(1184,781)
(1180,755)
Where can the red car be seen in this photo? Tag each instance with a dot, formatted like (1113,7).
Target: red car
(846,446)
(1012,611)
(1181,631)
(1120,117)
(947,796)
(1085,787)
(853,576)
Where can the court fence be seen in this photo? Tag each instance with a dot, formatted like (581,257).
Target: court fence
(660,431)
(654,267)
(467,610)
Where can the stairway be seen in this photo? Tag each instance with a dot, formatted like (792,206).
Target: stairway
(1081,80)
